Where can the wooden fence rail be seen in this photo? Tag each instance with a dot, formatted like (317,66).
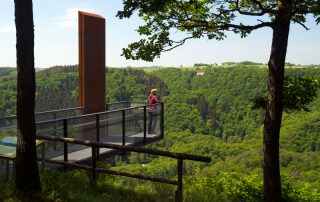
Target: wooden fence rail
(95,145)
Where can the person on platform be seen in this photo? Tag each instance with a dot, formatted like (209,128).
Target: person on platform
(152,110)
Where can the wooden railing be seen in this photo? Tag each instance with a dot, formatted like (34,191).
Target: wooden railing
(95,155)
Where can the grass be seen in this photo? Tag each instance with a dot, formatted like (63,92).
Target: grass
(75,186)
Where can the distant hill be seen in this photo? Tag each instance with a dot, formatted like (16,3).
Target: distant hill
(207,114)
(217,103)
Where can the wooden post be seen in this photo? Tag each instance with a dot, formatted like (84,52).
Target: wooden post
(98,134)
(14,168)
(94,165)
(43,153)
(7,169)
(179,197)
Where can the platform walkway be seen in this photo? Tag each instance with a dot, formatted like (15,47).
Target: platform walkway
(78,153)
(124,124)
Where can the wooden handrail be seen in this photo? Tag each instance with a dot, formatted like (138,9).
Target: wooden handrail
(113,172)
(127,148)
(94,145)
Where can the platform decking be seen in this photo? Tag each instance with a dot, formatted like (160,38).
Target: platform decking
(78,153)
(123,125)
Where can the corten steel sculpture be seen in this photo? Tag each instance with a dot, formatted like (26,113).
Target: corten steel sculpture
(91,62)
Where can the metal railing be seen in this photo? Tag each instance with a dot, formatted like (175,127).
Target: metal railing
(11,121)
(127,126)
(124,118)
(120,126)
(94,156)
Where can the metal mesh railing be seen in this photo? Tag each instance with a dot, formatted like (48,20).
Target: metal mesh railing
(11,121)
(122,126)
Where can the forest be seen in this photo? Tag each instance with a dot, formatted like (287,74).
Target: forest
(209,114)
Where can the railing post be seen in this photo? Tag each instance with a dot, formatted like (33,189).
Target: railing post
(65,145)
(7,169)
(144,124)
(54,131)
(98,134)
(94,165)
(43,155)
(162,121)
(106,123)
(179,197)
(123,127)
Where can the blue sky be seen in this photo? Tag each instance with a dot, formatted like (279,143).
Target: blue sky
(56,38)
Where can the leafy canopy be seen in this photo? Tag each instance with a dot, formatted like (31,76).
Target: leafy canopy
(297,94)
(200,18)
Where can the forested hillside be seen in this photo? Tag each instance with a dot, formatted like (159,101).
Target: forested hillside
(57,87)
(217,103)
(207,114)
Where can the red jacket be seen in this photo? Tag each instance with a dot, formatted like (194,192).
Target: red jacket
(152,99)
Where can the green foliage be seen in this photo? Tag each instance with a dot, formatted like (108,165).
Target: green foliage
(206,115)
(57,88)
(228,186)
(131,84)
(303,192)
(6,188)
(206,18)
(249,63)
(259,102)
(300,131)
(297,94)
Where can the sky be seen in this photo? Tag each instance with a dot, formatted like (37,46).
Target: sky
(56,38)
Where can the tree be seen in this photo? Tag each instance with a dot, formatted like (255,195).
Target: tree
(213,18)
(27,175)
(297,94)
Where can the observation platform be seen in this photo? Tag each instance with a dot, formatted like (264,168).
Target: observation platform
(123,123)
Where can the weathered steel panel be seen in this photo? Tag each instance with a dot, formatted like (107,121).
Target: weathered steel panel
(91,62)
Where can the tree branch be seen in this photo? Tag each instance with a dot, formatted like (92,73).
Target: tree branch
(249,13)
(246,27)
(179,43)
(264,9)
(303,25)
(226,26)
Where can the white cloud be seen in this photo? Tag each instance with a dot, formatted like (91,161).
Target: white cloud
(8,29)
(70,17)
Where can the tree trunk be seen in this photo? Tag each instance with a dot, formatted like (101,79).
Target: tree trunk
(272,122)
(27,175)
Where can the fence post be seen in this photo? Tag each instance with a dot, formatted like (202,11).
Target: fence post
(144,125)
(123,127)
(94,165)
(179,197)
(65,144)
(98,135)
(162,120)
(43,155)
(7,169)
